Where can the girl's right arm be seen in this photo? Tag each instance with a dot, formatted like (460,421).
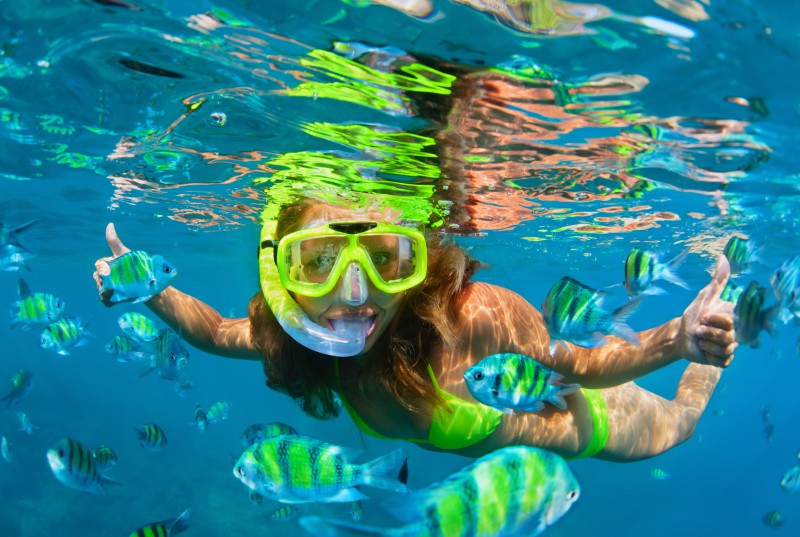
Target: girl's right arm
(197,322)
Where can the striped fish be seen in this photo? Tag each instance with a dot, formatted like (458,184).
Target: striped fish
(751,316)
(512,381)
(573,312)
(34,308)
(104,456)
(127,350)
(740,253)
(516,491)
(139,327)
(171,360)
(73,465)
(135,277)
(25,423)
(773,519)
(64,335)
(200,418)
(284,512)
(20,385)
(262,431)
(642,268)
(356,510)
(151,437)
(297,469)
(731,292)
(785,283)
(218,411)
(165,528)
(13,257)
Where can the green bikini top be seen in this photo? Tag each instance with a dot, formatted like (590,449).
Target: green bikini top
(456,424)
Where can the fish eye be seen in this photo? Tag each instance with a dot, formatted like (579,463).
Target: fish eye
(167,270)
(172,357)
(60,453)
(478,375)
(240,471)
(573,494)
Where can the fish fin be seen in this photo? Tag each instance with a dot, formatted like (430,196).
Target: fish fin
(180,523)
(618,326)
(653,291)
(345,495)
(383,472)
(557,398)
(509,411)
(535,407)
(553,347)
(402,474)
(596,340)
(17,230)
(183,388)
(23,289)
(108,481)
(63,352)
(671,276)
(138,299)
(676,261)
(148,368)
(564,344)
(330,527)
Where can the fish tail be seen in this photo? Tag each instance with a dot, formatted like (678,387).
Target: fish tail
(387,471)
(330,527)
(669,271)
(181,523)
(618,326)
(557,398)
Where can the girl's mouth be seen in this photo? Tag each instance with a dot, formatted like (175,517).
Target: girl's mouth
(339,322)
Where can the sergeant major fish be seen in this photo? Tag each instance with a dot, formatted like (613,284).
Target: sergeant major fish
(127,350)
(200,418)
(297,469)
(218,411)
(741,254)
(751,316)
(25,423)
(791,479)
(170,359)
(34,308)
(516,491)
(165,528)
(510,381)
(139,327)
(13,258)
(573,312)
(642,268)
(73,465)
(104,455)
(135,276)
(151,437)
(785,282)
(20,385)
(64,335)
(262,431)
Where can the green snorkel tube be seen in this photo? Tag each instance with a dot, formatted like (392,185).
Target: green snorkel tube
(349,338)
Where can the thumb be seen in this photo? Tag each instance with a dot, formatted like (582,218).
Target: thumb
(117,248)
(721,275)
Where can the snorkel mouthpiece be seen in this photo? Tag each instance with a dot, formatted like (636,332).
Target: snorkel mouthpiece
(349,335)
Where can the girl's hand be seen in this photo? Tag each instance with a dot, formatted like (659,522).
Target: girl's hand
(706,333)
(102,265)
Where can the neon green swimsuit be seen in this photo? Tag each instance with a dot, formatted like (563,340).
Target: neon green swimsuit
(459,423)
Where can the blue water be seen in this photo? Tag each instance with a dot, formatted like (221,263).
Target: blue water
(185,184)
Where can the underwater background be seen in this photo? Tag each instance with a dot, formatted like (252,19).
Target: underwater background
(547,145)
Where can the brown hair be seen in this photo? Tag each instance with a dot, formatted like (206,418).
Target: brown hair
(399,357)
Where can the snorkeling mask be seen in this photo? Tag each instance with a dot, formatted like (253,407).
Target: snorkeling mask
(310,262)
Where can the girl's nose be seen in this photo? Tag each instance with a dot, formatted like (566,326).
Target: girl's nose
(353,290)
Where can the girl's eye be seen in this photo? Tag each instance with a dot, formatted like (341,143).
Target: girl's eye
(379,258)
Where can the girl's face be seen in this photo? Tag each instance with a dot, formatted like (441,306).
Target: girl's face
(377,308)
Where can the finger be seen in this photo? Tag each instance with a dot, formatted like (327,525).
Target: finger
(718,361)
(717,348)
(117,248)
(716,335)
(102,267)
(721,275)
(723,321)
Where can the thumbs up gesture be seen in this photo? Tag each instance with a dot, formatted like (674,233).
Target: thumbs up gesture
(706,333)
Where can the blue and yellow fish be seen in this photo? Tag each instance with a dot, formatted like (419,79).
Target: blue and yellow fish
(138,326)
(741,254)
(218,411)
(73,465)
(170,359)
(127,350)
(284,512)
(642,268)
(64,335)
(751,316)
(104,455)
(151,437)
(34,308)
(573,312)
(136,276)
(791,479)
(510,381)
(200,418)
(773,519)
(297,469)
(165,528)
(785,282)
(262,431)
(20,385)
(513,491)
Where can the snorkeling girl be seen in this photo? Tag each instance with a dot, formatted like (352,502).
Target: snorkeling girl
(386,316)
